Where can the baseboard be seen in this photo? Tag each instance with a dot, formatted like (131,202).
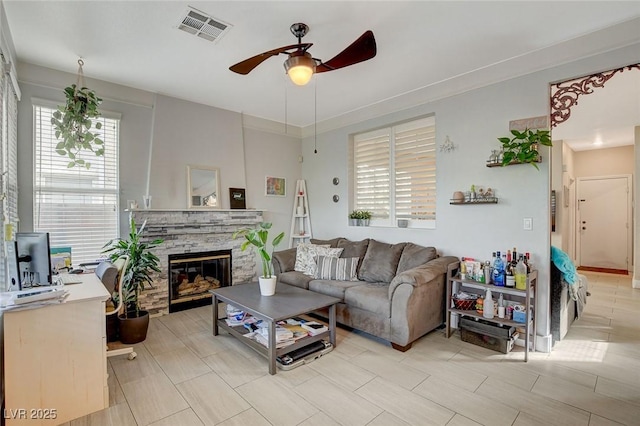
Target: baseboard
(635,283)
(543,343)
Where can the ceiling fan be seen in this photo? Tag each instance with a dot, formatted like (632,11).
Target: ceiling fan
(300,65)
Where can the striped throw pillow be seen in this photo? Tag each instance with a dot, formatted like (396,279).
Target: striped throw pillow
(337,268)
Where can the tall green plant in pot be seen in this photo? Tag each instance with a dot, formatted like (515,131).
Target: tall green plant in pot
(258,238)
(142,262)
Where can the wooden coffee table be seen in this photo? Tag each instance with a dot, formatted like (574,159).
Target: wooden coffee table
(287,302)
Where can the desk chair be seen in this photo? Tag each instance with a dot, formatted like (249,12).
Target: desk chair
(112,277)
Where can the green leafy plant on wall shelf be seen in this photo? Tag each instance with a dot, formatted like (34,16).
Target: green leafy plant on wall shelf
(523,146)
(74,122)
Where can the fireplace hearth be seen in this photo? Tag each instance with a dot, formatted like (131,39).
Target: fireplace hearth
(192,275)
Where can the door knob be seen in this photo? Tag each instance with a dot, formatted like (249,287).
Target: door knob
(584,227)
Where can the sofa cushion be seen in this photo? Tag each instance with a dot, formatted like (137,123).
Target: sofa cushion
(333,243)
(414,255)
(295,278)
(370,297)
(332,287)
(380,262)
(307,256)
(333,268)
(354,249)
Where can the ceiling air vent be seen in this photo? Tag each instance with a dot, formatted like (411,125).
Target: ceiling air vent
(202,25)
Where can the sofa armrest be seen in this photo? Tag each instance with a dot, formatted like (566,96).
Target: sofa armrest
(423,274)
(284,261)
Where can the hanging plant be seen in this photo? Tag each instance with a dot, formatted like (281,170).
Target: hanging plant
(74,121)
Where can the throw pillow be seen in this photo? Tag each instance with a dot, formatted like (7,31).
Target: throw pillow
(380,262)
(354,249)
(330,243)
(307,255)
(337,268)
(414,255)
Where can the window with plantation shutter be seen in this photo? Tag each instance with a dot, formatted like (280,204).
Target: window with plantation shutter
(77,206)
(394,172)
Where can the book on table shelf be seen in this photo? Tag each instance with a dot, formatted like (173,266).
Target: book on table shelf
(314,328)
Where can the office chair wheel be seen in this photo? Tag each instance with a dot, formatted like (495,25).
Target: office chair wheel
(132,356)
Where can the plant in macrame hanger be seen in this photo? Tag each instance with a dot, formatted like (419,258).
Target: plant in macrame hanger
(74,122)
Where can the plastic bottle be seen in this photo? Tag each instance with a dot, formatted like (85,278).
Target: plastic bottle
(489,305)
(521,275)
(498,269)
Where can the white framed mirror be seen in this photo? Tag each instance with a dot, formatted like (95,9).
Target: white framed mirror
(203,187)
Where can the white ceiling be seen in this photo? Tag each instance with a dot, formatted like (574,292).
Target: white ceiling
(422,45)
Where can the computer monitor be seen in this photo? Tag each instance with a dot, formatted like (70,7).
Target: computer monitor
(34,258)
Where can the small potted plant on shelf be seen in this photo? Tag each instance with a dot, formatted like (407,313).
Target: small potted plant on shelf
(523,146)
(353,217)
(365,217)
(134,322)
(258,238)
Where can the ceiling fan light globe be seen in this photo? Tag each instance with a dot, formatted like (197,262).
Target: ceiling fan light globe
(300,69)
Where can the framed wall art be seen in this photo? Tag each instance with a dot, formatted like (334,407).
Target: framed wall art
(275,186)
(237,198)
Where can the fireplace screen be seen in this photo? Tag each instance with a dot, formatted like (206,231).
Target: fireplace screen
(192,275)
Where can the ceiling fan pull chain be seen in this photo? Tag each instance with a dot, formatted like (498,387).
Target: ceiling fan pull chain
(80,81)
(285,107)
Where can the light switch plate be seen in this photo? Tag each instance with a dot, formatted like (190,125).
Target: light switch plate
(527,224)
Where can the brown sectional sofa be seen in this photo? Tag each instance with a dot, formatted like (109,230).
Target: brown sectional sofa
(399,293)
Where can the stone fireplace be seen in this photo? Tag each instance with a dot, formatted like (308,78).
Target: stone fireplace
(187,234)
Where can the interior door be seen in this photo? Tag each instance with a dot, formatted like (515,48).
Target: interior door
(604,222)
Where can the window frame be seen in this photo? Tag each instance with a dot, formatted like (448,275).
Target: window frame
(392,130)
(110,191)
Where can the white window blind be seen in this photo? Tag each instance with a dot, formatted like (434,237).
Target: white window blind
(77,206)
(371,153)
(8,159)
(415,170)
(395,173)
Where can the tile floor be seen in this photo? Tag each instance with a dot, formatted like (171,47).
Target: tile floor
(185,376)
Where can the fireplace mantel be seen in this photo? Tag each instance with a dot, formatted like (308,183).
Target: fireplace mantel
(191,231)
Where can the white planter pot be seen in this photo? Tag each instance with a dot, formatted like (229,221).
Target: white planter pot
(267,285)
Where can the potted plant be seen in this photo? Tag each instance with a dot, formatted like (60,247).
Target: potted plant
(365,217)
(258,238)
(134,321)
(523,146)
(353,217)
(73,122)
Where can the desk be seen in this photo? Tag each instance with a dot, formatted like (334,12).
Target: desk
(55,358)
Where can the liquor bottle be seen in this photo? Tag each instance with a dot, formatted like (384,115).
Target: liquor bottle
(498,277)
(527,262)
(514,256)
(504,269)
(521,275)
(510,280)
(508,256)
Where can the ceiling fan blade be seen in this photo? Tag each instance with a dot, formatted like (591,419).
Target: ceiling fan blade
(246,66)
(363,49)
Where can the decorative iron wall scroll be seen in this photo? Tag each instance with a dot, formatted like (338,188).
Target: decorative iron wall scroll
(565,95)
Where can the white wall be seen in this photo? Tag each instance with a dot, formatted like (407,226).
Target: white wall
(473,120)
(604,162)
(269,154)
(185,133)
(636,213)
